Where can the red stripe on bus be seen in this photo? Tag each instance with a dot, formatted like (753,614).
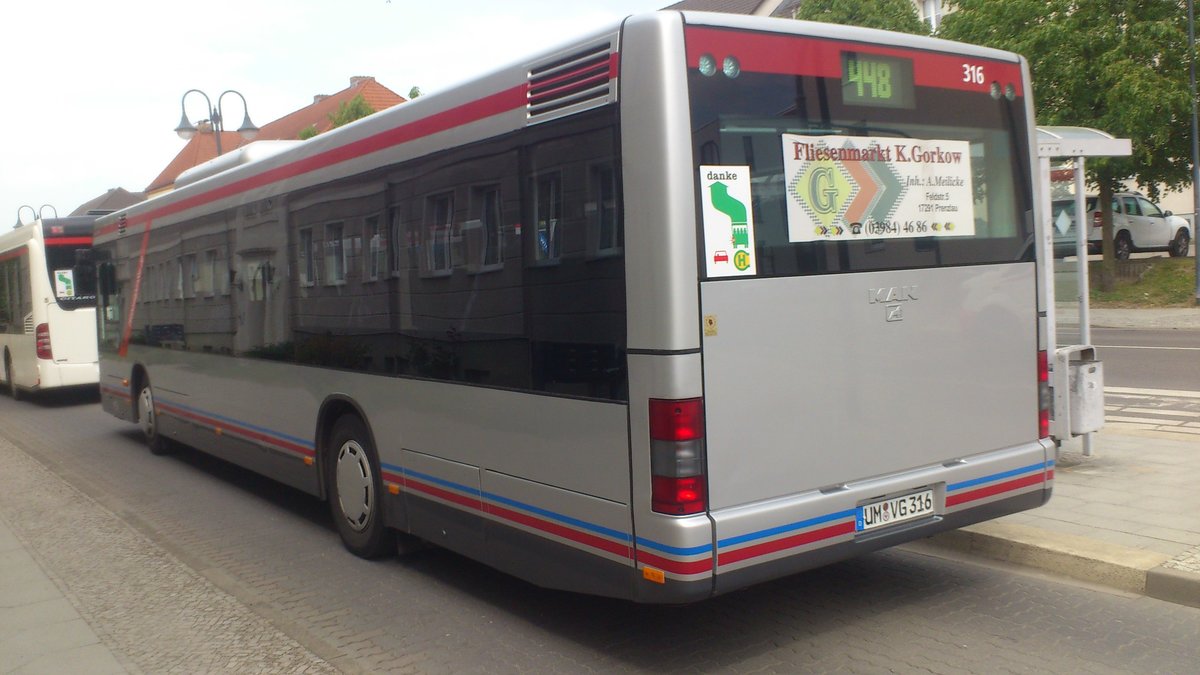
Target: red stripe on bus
(591,540)
(675,566)
(13,254)
(234,429)
(474,111)
(69,241)
(793,55)
(992,490)
(471,503)
(785,543)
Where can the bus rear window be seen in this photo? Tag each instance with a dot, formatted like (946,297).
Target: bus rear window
(72,277)
(855,164)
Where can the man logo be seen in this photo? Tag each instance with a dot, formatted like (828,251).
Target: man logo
(891,297)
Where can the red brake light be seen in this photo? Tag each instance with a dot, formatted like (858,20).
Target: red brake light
(677,465)
(681,420)
(1043,364)
(1097,219)
(42,337)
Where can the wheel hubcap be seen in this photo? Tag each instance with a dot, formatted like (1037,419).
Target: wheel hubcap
(355,489)
(146,412)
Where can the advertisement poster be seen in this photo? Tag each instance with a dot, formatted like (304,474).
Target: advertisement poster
(843,188)
(728,221)
(64,283)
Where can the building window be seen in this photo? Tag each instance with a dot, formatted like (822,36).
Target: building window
(484,234)
(439,214)
(547,215)
(206,274)
(931,11)
(307,257)
(606,221)
(335,254)
(377,249)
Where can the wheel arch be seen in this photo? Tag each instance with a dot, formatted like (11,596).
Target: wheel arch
(332,408)
(137,378)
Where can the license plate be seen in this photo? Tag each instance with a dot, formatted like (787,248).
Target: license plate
(895,510)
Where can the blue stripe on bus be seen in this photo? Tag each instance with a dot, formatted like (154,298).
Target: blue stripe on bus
(674,550)
(792,527)
(1040,466)
(253,427)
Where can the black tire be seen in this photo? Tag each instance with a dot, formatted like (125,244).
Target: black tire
(1122,246)
(148,421)
(13,389)
(1180,245)
(355,484)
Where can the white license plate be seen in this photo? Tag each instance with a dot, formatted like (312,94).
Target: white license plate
(895,510)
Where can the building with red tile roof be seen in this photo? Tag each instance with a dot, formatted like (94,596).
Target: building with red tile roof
(203,147)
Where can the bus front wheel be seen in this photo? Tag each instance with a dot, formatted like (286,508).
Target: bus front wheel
(355,485)
(148,420)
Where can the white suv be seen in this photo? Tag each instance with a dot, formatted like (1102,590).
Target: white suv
(1138,225)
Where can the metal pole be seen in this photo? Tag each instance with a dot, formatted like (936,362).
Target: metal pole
(1081,254)
(1195,140)
(1081,270)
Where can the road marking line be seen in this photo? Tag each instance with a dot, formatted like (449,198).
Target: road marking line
(1142,420)
(1159,411)
(1178,393)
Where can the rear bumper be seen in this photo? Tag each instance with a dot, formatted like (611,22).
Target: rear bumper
(763,541)
(55,375)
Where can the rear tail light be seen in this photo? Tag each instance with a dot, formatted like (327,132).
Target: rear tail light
(1097,219)
(42,336)
(1043,374)
(677,456)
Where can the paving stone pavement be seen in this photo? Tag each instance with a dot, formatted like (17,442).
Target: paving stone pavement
(183,623)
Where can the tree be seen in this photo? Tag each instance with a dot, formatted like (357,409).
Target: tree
(1115,65)
(347,112)
(354,109)
(414,92)
(897,15)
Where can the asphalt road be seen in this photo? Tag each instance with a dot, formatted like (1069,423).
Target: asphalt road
(274,550)
(1145,358)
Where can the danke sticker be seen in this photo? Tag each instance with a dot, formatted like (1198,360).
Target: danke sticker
(728,221)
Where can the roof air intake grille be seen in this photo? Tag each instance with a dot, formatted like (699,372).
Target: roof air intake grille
(570,83)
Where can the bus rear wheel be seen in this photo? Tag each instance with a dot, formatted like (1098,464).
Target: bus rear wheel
(148,421)
(355,483)
(13,389)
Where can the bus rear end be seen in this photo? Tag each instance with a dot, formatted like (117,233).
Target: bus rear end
(66,335)
(871,354)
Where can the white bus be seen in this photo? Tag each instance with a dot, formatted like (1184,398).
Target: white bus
(697,302)
(48,306)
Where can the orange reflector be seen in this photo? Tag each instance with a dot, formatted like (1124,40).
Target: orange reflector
(394,489)
(124,383)
(651,574)
(308,461)
(217,431)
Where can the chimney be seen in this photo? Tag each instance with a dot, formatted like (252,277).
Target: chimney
(360,79)
(320,97)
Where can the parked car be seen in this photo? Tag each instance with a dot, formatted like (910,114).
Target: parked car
(1138,225)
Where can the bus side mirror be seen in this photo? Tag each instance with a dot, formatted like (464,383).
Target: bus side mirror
(107,279)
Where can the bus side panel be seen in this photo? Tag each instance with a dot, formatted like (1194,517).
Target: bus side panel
(558,539)
(441,500)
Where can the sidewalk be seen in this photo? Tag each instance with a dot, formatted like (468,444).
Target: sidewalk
(1125,517)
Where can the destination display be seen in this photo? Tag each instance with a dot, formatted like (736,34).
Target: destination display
(875,80)
(862,187)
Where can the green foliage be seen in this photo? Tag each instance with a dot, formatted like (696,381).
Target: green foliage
(354,109)
(897,15)
(308,132)
(1116,65)
(1169,282)
(414,92)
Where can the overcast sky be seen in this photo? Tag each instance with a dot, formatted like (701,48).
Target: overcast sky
(90,91)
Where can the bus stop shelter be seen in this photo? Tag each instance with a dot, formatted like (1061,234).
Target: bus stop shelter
(1077,378)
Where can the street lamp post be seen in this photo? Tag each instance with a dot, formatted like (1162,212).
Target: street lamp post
(186,129)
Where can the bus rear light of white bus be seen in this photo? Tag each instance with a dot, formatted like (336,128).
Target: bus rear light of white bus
(1043,395)
(677,456)
(42,337)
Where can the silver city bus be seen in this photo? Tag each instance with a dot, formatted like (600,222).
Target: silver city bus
(694,303)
